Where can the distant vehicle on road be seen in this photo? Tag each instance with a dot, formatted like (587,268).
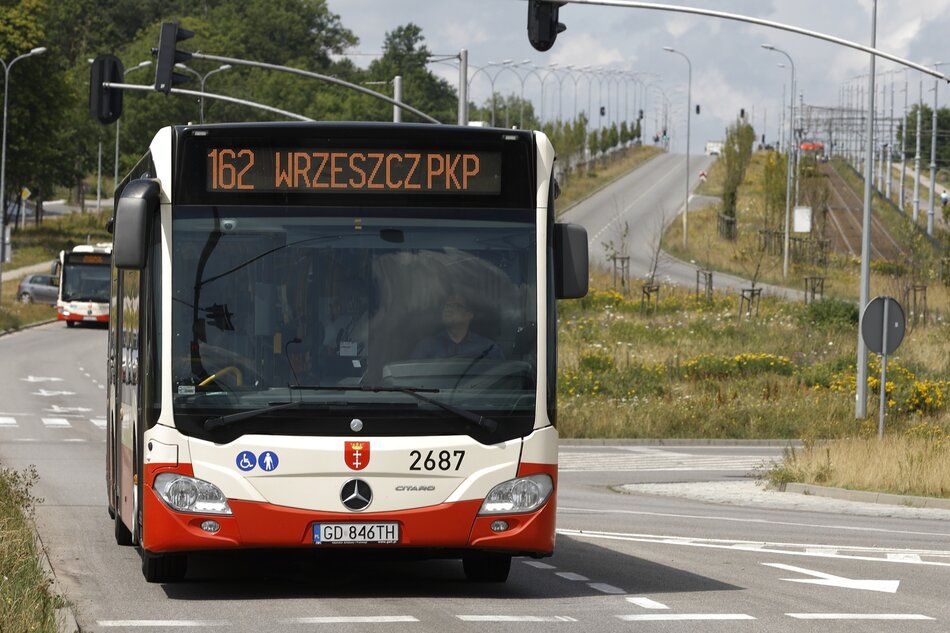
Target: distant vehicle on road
(713,148)
(38,289)
(85,275)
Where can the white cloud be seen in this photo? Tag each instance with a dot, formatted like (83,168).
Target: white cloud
(730,70)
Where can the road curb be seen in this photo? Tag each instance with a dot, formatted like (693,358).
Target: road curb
(867,497)
(66,621)
(676,442)
(27,326)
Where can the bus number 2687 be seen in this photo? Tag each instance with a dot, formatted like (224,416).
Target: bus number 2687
(443,460)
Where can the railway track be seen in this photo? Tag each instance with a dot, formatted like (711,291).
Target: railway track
(845,213)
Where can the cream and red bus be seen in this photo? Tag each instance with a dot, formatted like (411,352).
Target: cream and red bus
(241,414)
(84,273)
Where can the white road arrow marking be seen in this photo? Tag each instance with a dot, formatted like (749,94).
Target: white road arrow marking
(41,379)
(45,393)
(821,578)
(58,409)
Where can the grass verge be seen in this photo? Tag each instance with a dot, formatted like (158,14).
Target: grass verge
(27,602)
(917,463)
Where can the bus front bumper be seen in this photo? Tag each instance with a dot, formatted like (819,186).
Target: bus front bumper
(254,525)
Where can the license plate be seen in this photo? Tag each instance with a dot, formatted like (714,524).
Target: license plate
(355,533)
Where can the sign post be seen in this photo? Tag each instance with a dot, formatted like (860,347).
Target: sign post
(882,328)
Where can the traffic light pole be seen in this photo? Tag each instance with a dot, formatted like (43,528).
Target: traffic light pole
(209,95)
(313,75)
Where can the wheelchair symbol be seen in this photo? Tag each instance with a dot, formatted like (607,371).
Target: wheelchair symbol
(246,461)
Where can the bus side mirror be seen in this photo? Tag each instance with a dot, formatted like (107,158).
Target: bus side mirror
(132,213)
(571,273)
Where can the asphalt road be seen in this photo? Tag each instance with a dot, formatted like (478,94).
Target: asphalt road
(647,200)
(632,553)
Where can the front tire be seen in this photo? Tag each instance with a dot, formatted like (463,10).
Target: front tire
(26,298)
(70,324)
(486,567)
(162,568)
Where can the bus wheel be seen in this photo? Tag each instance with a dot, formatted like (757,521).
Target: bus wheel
(123,536)
(163,567)
(486,567)
(70,324)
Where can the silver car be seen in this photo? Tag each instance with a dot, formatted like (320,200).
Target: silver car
(38,289)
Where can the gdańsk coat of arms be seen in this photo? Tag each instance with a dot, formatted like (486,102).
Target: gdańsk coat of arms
(356,455)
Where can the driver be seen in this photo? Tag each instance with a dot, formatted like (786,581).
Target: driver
(457,340)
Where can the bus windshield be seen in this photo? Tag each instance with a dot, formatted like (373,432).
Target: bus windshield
(83,281)
(329,312)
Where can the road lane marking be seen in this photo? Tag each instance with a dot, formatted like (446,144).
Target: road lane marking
(355,619)
(161,623)
(569,575)
(646,603)
(7,422)
(56,423)
(605,588)
(538,564)
(858,616)
(767,548)
(829,580)
(100,422)
(515,618)
(683,617)
(713,517)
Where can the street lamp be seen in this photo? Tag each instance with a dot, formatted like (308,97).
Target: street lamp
(115,183)
(3,153)
(791,140)
(202,79)
(689,106)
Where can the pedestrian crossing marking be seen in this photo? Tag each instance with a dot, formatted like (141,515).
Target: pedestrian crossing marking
(99,422)
(657,459)
(7,422)
(56,423)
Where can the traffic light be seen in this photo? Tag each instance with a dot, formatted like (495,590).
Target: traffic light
(169,55)
(105,104)
(697,108)
(543,26)
(603,110)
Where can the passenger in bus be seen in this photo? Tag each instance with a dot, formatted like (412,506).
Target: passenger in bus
(457,340)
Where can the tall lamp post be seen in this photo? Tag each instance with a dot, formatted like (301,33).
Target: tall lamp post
(115,182)
(689,106)
(3,153)
(791,143)
(202,79)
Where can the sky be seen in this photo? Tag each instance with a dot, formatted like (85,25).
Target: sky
(730,69)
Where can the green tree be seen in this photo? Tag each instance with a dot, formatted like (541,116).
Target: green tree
(736,154)
(40,141)
(405,54)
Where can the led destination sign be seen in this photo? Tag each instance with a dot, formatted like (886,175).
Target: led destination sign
(301,170)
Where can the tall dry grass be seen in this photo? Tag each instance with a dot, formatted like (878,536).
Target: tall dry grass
(916,463)
(26,600)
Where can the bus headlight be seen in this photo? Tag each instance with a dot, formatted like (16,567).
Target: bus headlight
(187,494)
(523,494)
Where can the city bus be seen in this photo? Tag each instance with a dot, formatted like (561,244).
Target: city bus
(84,284)
(287,366)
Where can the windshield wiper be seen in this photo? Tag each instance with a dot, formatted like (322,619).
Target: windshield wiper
(224,420)
(486,423)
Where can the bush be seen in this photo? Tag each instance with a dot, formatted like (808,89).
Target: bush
(831,313)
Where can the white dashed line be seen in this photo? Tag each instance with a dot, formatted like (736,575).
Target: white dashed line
(569,575)
(358,619)
(858,616)
(684,617)
(646,603)
(56,423)
(515,618)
